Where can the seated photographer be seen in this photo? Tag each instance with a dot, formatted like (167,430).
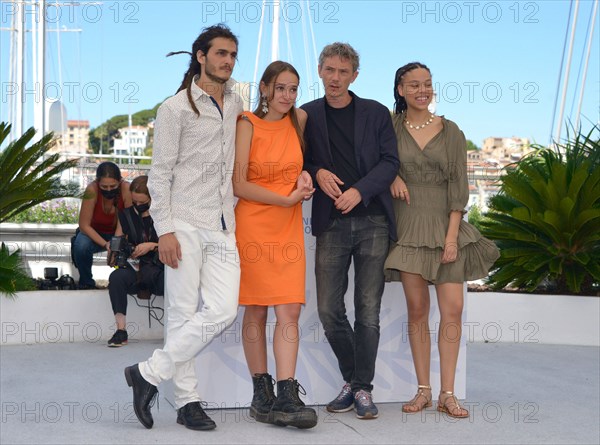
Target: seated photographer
(134,251)
(102,200)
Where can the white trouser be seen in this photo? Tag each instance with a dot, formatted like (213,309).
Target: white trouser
(210,269)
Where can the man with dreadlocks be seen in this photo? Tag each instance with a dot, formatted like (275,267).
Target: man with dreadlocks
(192,208)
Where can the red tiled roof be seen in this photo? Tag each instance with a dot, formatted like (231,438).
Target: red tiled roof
(78,123)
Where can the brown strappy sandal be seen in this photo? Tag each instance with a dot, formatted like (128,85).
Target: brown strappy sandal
(454,407)
(413,402)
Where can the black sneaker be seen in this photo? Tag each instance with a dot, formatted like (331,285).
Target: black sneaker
(118,339)
(192,416)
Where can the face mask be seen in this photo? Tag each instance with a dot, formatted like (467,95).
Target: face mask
(110,194)
(141,208)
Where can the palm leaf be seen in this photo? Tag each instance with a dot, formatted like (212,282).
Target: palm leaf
(13,277)
(28,176)
(546,217)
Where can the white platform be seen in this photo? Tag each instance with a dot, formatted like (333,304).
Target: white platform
(532,318)
(86,316)
(71,316)
(59,316)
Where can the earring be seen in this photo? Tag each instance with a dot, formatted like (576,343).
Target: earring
(265,106)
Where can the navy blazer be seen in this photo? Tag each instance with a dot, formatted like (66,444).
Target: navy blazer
(376,154)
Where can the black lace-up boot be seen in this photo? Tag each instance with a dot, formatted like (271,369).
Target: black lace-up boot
(192,416)
(263,398)
(288,409)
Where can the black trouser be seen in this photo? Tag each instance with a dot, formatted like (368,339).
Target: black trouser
(364,241)
(125,281)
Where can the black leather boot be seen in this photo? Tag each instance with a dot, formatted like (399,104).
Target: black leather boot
(263,398)
(288,409)
(143,394)
(192,416)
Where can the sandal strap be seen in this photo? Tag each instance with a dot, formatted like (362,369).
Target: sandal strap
(420,393)
(454,399)
(451,396)
(415,404)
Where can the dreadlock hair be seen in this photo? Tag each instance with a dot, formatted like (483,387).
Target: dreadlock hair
(202,43)
(400,102)
(268,78)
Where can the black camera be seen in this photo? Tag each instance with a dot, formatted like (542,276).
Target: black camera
(52,282)
(120,251)
(66,282)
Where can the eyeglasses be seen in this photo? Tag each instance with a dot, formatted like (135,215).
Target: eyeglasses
(413,87)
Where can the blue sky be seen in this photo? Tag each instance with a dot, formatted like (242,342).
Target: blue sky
(495,64)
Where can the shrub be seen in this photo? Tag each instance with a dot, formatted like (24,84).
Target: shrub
(476,217)
(546,218)
(28,176)
(13,277)
(53,212)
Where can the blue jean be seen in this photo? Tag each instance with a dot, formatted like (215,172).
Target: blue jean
(84,252)
(365,240)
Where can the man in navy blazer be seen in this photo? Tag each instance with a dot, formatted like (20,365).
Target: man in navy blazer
(352,156)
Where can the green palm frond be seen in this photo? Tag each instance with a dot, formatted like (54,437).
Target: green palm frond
(546,217)
(28,176)
(13,277)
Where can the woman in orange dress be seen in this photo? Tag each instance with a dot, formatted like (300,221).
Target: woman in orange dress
(271,186)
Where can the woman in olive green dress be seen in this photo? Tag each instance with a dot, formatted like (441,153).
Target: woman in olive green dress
(435,245)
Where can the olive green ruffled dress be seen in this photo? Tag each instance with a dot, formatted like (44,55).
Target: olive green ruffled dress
(436,179)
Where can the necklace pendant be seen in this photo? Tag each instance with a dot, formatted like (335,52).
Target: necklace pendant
(419,127)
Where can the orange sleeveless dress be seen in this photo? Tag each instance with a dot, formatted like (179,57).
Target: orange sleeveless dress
(271,238)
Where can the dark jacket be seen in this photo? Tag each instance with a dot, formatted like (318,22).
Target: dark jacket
(135,233)
(376,157)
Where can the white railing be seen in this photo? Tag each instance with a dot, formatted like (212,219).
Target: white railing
(48,245)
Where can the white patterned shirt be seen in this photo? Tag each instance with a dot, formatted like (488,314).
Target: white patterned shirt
(192,161)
